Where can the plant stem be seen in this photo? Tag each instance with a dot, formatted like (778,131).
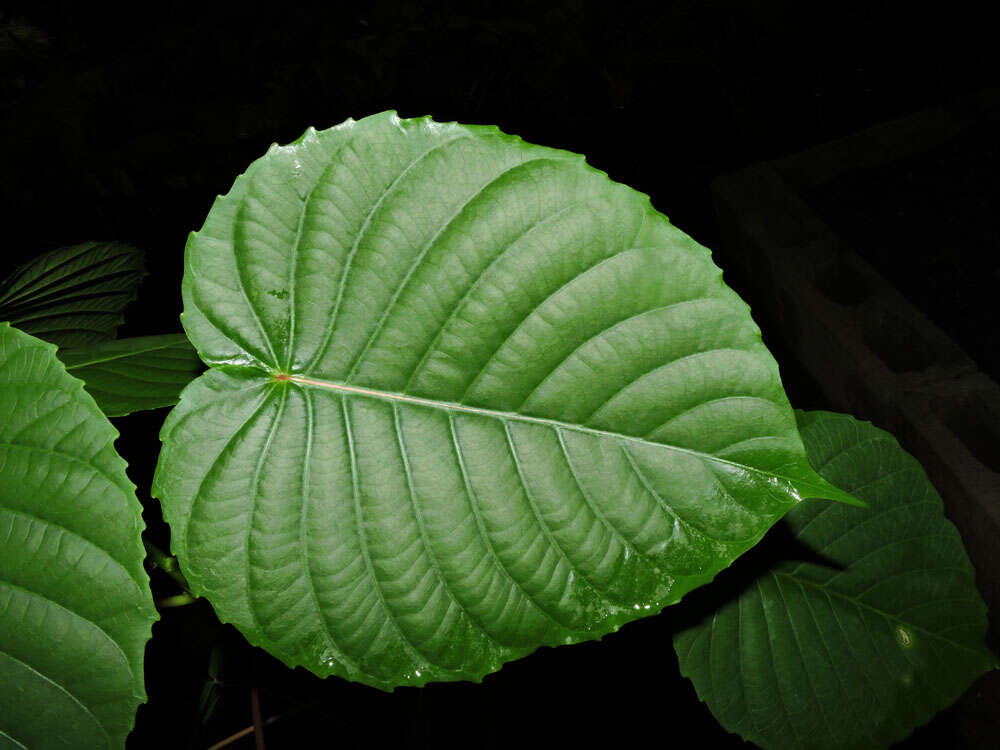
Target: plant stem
(258,721)
(168,564)
(250,730)
(180,600)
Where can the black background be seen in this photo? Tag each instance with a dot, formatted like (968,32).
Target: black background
(126,126)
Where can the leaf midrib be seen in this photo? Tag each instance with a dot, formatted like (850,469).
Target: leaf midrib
(177,343)
(506,416)
(831,591)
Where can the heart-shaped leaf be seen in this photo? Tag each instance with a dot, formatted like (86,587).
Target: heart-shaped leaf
(861,647)
(127,375)
(73,296)
(469,397)
(75,606)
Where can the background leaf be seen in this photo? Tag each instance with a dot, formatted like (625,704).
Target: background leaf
(469,397)
(127,375)
(75,605)
(866,642)
(73,296)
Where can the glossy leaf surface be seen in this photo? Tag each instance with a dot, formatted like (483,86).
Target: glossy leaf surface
(73,295)
(127,375)
(857,649)
(75,606)
(469,397)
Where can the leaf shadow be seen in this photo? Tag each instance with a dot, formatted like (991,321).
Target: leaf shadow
(779,545)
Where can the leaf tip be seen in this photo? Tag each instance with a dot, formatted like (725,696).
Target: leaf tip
(827,491)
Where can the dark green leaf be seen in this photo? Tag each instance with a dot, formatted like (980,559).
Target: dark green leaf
(75,606)
(861,647)
(127,375)
(469,397)
(73,295)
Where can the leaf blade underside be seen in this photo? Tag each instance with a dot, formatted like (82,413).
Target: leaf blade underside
(75,605)
(859,650)
(468,397)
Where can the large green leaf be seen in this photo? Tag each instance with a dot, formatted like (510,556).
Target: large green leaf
(75,606)
(468,397)
(126,375)
(73,295)
(867,642)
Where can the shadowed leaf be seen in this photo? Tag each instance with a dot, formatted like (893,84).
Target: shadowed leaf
(865,639)
(73,296)
(127,375)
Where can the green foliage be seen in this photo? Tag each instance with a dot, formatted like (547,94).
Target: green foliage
(75,606)
(73,296)
(127,375)
(468,397)
(881,629)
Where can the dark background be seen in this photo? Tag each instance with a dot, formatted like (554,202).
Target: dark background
(126,126)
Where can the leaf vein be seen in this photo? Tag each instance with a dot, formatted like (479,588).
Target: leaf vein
(55,683)
(359,359)
(475,285)
(365,552)
(424,537)
(484,534)
(321,350)
(543,525)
